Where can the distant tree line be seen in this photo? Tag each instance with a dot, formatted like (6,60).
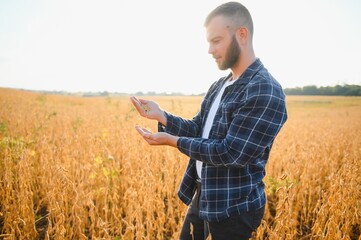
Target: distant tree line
(338,90)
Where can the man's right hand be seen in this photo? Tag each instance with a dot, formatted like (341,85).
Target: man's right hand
(149,109)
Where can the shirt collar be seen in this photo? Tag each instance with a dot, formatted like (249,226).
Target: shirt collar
(247,74)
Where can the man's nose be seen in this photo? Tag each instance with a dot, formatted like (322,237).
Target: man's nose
(211,49)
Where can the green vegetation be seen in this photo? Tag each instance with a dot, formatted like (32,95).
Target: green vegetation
(338,90)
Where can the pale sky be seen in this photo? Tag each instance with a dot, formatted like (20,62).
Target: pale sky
(160,45)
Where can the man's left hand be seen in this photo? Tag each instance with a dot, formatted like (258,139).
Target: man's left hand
(160,138)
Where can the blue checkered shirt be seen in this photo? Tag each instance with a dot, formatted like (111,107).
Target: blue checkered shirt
(250,115)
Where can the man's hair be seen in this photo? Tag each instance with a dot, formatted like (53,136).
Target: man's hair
(235,12)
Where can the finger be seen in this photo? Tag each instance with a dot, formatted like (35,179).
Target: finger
(138,105)
(144,132)
(147,135)
(135,101)
(139,100)
(139,130)
(142,101)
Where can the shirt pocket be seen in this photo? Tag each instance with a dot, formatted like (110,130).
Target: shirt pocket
(227,111)
(223,119)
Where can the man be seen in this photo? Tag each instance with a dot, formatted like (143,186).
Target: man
(230,139)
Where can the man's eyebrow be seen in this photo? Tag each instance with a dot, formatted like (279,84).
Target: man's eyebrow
(215,38)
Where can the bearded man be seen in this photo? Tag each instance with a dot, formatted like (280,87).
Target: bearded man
(229,140)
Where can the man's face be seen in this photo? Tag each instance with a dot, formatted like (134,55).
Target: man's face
(222,45)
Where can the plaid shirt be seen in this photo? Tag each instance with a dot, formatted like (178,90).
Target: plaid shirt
(251,113)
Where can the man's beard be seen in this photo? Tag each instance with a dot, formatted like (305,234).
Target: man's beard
(232,55)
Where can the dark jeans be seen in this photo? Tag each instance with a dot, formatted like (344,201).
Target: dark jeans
(236,227)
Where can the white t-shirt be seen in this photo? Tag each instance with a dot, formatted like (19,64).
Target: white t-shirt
(210,118)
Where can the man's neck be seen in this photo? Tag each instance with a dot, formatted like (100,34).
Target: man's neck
(244,63)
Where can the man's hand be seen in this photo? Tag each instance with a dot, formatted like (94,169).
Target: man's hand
(160,138)
(149,109)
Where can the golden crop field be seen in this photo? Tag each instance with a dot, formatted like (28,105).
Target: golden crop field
(75,168)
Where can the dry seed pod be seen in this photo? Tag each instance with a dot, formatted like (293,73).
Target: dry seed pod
(145,108)
(284,176)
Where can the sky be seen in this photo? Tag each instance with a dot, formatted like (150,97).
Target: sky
(160,45)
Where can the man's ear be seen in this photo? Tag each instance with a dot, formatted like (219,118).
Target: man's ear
(242,35)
